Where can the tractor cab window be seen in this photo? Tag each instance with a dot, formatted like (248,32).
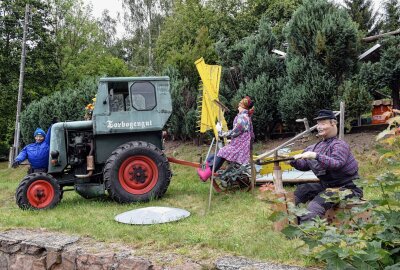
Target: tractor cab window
(119,96)
(143,96)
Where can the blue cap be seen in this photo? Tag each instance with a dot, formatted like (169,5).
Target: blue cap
(39,131)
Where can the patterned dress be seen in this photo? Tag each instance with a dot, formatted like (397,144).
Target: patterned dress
(238,150)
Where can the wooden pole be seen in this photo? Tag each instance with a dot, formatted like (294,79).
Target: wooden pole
(341,126)
(212,175)
(253,169)
(277,176)
(21,85)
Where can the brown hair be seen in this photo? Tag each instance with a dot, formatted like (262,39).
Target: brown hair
(247,104)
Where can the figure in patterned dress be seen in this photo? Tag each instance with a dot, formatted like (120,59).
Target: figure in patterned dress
(238,150)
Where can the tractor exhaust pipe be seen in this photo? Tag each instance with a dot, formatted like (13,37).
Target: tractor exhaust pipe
(89,164)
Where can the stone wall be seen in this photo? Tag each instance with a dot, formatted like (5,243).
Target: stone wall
(37,250)
(40,249)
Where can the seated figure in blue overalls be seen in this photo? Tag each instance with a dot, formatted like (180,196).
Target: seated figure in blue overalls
(37,153)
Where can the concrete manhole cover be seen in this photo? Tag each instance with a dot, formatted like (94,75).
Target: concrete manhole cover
(152,215)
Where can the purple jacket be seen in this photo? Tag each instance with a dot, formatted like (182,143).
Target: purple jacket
(334,165)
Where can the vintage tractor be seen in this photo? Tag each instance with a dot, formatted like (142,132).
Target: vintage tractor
(118,150)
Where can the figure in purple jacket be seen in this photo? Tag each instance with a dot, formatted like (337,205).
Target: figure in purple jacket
(37,153)
(332,162)
(238,150)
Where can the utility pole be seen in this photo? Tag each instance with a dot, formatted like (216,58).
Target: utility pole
(20,87)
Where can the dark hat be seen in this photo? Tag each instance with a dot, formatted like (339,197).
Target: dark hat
(325,114)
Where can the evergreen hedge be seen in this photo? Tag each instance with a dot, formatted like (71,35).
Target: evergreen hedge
(67,105)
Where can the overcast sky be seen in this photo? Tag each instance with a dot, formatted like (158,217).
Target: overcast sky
(115,7)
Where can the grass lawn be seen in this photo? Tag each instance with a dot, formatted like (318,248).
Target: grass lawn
(236,224)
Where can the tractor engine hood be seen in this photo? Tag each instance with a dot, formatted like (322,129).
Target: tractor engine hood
(58,142)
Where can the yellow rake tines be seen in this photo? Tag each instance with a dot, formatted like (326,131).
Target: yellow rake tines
(269,168)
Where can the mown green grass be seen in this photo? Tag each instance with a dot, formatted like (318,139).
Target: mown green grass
(237,223)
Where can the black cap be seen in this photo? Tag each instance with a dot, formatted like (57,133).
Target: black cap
(325,114)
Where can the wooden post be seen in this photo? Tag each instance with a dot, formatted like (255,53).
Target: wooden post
(341,126)
(212,175)
(10,157)
(21,85)
(253,169)
(277,176)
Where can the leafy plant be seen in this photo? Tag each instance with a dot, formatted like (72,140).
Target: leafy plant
(354,243)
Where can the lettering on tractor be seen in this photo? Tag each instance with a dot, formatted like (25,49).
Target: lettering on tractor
(118,152)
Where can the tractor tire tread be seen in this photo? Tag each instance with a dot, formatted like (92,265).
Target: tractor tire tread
(20,194)
(125,147)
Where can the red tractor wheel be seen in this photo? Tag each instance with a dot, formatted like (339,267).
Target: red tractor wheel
(38,191)
(137,172)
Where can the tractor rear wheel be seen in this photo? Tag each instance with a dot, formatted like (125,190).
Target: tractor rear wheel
(38,191)
(137,172)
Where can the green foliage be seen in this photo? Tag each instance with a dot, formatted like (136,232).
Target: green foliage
(68,105)
(279,13)
(180,34)
(82,44)
(325,33)
(386,72)
(143,21)
(308,89)
(265,91)
(41,71)
(322,53)
(361,12)
(356,97)
(391,15)
(181,125)
(262,73)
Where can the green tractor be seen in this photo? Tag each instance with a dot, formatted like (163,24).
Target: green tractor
(118,151)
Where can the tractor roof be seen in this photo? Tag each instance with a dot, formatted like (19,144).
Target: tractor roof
(125,79)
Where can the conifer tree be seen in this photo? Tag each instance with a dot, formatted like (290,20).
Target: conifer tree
(386,72)
(391,15)
(322,42)
(361,12)
(68,105)
(262,73)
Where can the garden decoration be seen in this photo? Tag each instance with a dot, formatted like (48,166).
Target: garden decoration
(152,215)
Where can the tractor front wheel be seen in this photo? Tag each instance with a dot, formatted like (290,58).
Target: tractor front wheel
(137,172)
(38,191)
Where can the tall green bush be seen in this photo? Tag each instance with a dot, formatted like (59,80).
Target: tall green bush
(262,72)
(180,120)
(357,98)
(308,88)
(322,42)
(68,105)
